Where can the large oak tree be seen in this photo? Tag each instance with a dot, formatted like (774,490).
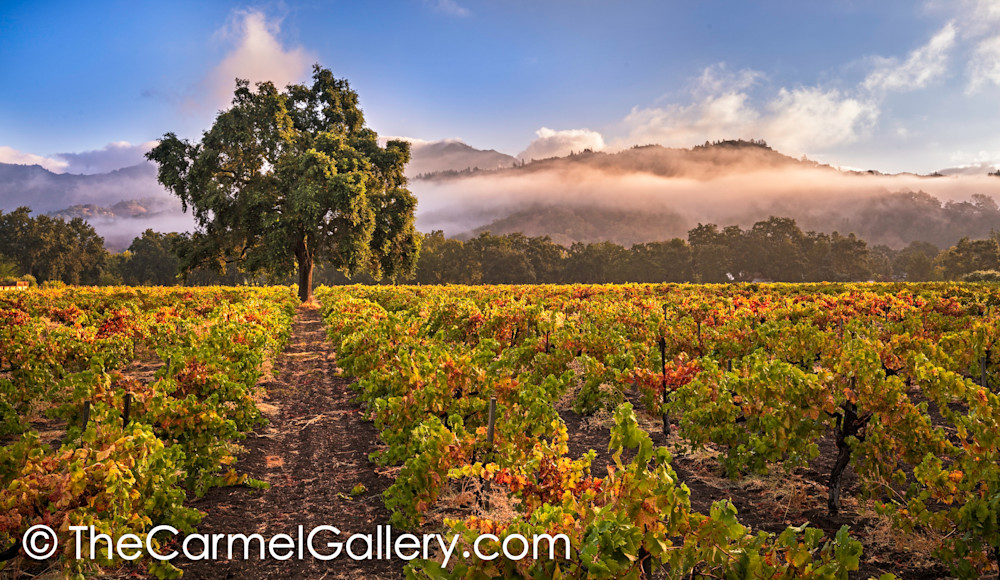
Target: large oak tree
(283,179)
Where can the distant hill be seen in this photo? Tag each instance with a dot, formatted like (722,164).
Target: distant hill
(649,193)
(44,191)
(700,162)
(133,208)
(973,169)
(567,224)
(640,194)
(453,156)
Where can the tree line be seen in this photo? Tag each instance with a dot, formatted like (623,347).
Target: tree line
(776,250)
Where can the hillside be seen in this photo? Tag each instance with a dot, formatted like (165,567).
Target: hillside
(566,225)
(700,162)
(45,191)
(640,194)
(453,156)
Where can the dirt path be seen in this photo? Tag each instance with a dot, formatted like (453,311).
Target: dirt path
(313,453)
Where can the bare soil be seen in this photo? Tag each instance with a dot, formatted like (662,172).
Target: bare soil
(313,453)
(771,503)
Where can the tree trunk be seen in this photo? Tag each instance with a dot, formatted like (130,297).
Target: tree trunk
(303,256)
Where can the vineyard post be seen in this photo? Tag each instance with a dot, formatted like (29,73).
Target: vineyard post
(484,499)
(127,409)
(663,384)
(86,419)
(492,423)
(849,424)
(983,361)
(699,334)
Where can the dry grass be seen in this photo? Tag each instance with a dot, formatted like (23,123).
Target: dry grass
(602,420)
(883,544)
(568,398)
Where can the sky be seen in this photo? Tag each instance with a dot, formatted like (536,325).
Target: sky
(88,87)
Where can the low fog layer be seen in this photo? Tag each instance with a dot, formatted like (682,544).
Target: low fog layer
(637,195)
(722,187)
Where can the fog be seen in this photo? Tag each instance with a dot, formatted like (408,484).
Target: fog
(818,197)
(118,233)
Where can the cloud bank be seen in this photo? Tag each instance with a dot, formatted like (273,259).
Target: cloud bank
(561,143)
(256,55)
(112,156)
(13,156)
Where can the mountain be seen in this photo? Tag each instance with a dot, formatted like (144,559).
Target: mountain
(700,162)
(972,169)
(133,208)
(45,191)
(568,224)
(453,156)
(644,193)
(652,193)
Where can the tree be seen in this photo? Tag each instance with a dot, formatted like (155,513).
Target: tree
(711,257)
(969,256)
(660,262)
(502,259)
(151,260)
(445,261)
(915,262)
(596,263)
(283,179)
(51,248)
(778,245)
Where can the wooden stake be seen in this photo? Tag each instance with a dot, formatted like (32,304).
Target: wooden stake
(493,418)
(484,498)
(127,409)
(663,384)
(86,419)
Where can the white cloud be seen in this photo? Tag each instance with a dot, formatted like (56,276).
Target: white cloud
(984,64)
(977,23)
(922,66)
(112,156)
(416,142)
(257,55)
(716,79)
(11,155)
(810,118)
(450,7)
(716,117)
(795,121)
(559,143)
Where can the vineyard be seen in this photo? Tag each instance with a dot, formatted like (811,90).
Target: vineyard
(895,381)
(115,404)
(631,418)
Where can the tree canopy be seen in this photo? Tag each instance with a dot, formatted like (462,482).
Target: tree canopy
(285,178)
(51,248)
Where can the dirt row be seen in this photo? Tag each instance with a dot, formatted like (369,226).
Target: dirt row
(314,453)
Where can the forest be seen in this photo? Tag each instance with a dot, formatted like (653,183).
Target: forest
(44,249)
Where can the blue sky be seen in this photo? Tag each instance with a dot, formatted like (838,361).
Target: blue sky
(890,85)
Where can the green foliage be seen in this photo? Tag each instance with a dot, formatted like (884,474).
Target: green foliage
(285,178)
(51,249)
(429,360)
(60,348)
(150,260)
(982,276)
